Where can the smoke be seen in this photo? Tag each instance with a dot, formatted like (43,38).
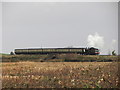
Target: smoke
(113,41)
(95,40)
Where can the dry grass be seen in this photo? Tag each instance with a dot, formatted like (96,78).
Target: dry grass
(60,75)
(58,58)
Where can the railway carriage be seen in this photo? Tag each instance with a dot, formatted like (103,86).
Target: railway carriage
(83,51)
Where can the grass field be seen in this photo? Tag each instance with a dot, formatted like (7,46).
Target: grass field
(59,74)
(58,57)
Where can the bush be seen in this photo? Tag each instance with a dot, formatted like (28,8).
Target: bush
(11,53)
(113,52)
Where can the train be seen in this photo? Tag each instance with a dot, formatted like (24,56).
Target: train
(82,51)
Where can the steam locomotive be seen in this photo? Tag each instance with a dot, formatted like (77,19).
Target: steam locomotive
(82,51)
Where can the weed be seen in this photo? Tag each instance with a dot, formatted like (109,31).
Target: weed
(98,86)
(86,86)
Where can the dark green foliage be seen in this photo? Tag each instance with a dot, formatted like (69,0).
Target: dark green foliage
(113,52)
(11,53)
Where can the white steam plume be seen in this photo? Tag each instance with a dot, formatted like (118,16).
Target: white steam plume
(113,41)
(95,40)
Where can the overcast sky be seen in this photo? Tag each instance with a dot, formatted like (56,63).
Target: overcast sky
(61,24)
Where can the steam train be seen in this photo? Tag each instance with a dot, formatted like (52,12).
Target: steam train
(82,51)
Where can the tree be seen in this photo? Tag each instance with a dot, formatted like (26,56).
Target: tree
(113,52)
(11,53)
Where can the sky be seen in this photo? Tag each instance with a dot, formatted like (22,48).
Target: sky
(60,24)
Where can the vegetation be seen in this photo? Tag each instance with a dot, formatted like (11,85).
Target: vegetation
(59,71)
(4,54)
(60,75)
(60,58)
(113,53)
(11,53)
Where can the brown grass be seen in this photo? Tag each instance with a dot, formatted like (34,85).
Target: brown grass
(58,58)
(60,75)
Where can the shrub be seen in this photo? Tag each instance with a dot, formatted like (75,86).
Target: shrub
(11,53)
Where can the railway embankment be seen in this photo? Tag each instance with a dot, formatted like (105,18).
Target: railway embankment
(59,58)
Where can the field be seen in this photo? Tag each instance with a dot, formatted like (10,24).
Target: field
(59,74)
(59,71)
